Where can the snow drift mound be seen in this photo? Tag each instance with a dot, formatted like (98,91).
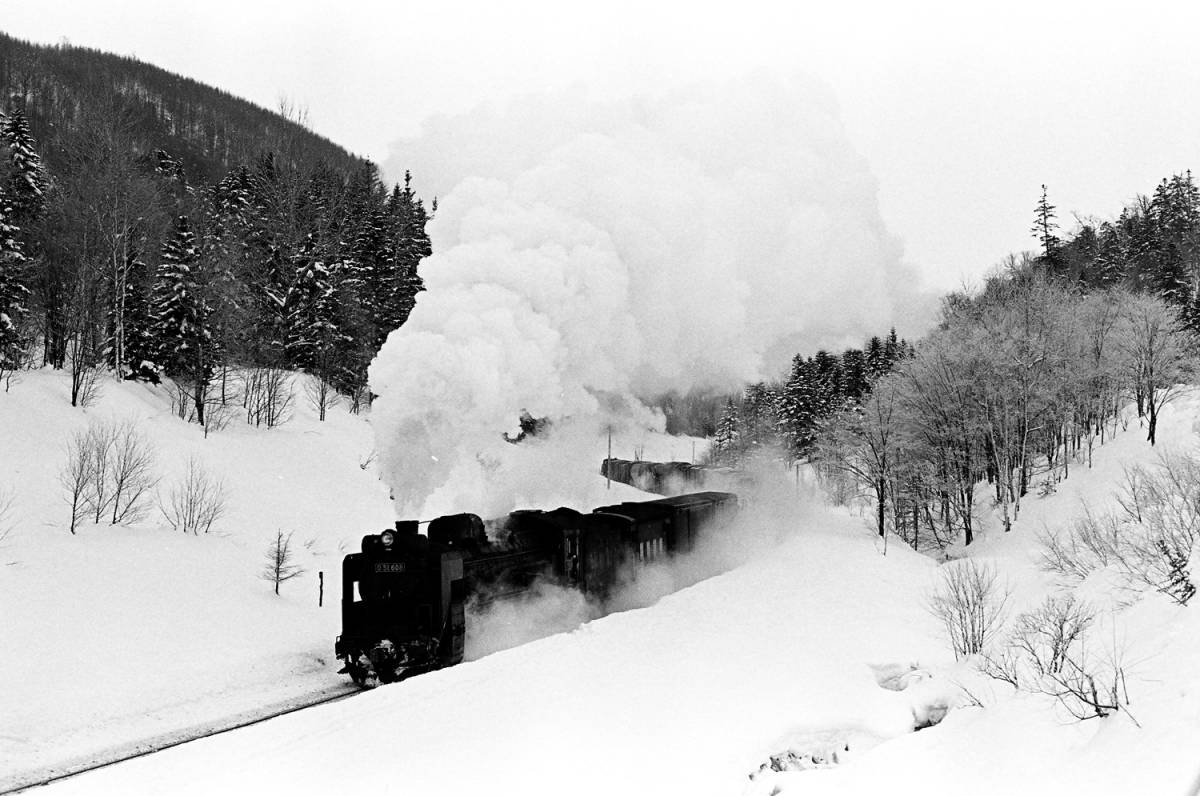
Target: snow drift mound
(589,252)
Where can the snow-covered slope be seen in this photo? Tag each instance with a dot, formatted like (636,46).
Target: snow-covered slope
(819,649)
(121,633)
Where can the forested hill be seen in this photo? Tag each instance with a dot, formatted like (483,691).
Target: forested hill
(64,89)
(154,227)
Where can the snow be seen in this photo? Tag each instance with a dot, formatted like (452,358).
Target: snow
(819,642)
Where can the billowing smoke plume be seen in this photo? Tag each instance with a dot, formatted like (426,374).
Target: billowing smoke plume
(590,252)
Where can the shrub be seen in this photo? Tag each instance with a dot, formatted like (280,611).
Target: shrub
(6,512)
(195,503)
(320,395)
(267,396)
(109,472)
(1050,652)
(970,603)
(1149,539)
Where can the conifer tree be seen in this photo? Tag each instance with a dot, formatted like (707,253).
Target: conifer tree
(726,443)
(26,183)
(759,415)
(398,286)
(827,375)
(179,315)
(854,374)
(798,413)
(139,354)
(1174,212)
(1044,228)
(877,363)
(13,293)
(1110,257)
(312,312)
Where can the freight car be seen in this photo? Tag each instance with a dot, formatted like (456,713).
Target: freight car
(673,478)
(404,595)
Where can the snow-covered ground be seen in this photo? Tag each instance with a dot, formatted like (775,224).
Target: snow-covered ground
(119,634)
(819,648)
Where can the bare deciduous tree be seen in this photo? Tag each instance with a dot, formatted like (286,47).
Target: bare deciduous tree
(85,371)
(267,396)
(197,501)
(360,398)
(971,603)
(865,443)
(320,395)
(132,474)
(101,437)
(281,565)
(109,472)
(76,477)
(1158,351)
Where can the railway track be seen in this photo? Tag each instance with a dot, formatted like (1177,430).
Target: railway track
(23,781)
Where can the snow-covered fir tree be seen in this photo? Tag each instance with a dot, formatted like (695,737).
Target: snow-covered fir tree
(179,315)
(312,312)
(798,407)
(138,343)
(726,443)
(1175,213)
(398,286)
(13,293)
(759,416)
(26,183)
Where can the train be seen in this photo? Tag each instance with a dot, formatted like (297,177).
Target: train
(405,594)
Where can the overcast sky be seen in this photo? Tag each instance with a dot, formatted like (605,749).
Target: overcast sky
(962,109)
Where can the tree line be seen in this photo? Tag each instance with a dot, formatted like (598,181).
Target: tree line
(786,415)
(1153,246)
(64,89)
(1025,376)
(1019,380)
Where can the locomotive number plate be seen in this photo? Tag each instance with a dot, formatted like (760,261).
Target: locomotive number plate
(389,567)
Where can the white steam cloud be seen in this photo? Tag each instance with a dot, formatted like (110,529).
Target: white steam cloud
(590,252)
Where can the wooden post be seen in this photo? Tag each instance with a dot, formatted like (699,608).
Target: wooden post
(321,593)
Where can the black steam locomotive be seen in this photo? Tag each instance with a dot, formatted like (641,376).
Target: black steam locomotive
(404,596)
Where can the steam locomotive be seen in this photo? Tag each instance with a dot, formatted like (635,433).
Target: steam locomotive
(404,596)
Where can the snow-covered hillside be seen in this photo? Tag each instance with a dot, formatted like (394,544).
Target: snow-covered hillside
(118,633)
(819,652)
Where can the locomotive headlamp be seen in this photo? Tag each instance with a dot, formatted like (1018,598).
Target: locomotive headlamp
(388,538)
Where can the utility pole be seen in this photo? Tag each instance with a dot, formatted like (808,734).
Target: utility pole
(608,462)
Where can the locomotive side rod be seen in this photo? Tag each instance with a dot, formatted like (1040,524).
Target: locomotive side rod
(131,751)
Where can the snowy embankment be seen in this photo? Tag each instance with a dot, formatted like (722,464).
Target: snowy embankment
(685,697)
(119,633)
(818,653)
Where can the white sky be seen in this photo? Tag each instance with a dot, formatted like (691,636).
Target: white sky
(962,109)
